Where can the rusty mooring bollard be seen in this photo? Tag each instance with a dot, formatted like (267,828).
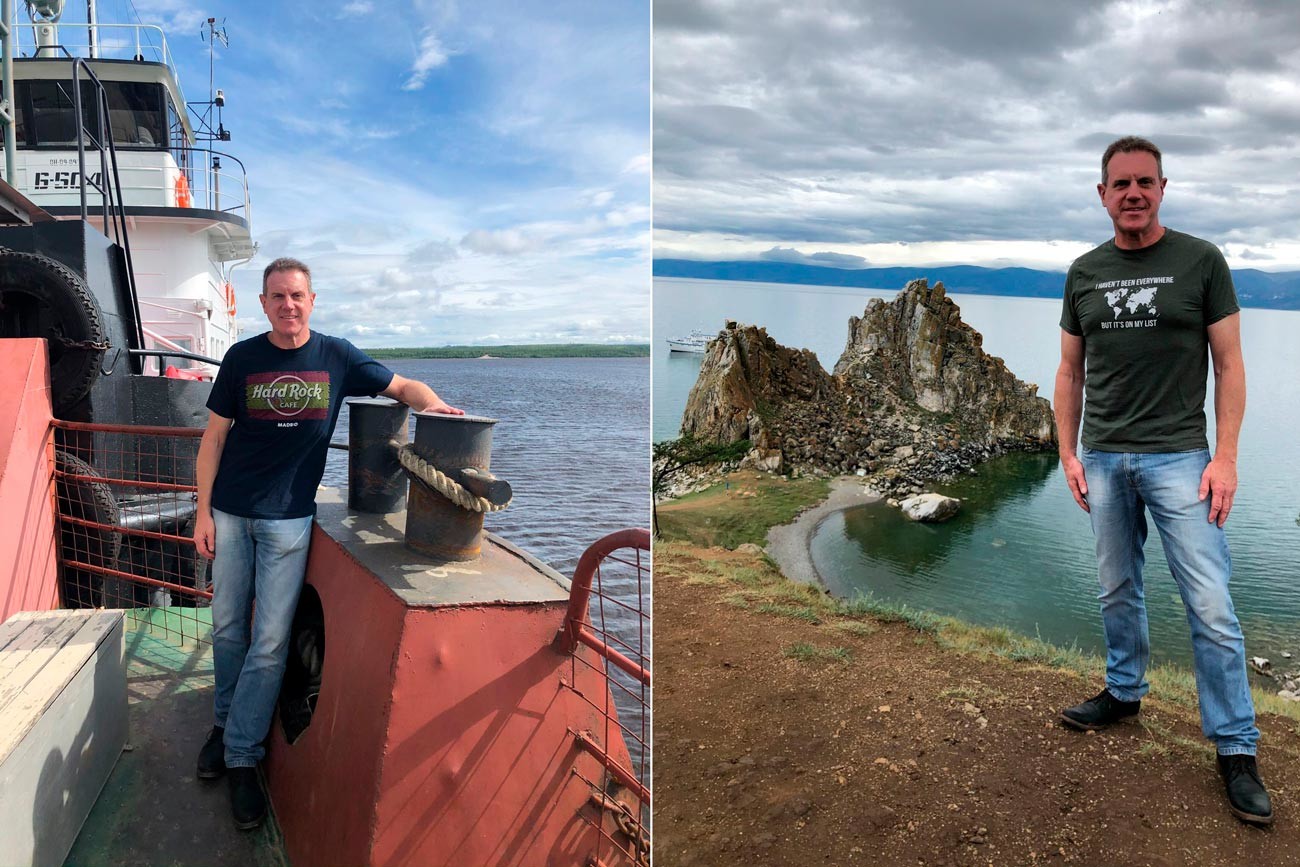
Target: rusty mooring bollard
(376,430)
(460,446)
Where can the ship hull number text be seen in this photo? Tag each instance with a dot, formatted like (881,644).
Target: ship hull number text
(62,180)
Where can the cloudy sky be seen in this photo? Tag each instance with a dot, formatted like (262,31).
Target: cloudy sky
(888,132)
(454,172)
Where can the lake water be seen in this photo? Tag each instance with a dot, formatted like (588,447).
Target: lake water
(573,440)
(1020,554)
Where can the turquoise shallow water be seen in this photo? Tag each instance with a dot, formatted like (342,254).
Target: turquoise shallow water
(1020,553)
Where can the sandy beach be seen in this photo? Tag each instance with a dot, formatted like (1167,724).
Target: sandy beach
(788,544)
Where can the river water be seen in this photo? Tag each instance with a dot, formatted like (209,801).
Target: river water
(1020,554)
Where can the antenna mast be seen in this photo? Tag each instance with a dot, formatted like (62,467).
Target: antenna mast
(214,33)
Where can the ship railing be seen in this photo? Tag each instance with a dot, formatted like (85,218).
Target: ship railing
(210,183)
(126,500)
(609,614)
(161,348)
(213,186)
(144,42)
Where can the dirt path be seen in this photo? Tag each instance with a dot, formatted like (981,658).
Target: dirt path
(884,749)
(788,543)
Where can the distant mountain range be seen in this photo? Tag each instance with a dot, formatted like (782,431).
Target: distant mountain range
(1275,290)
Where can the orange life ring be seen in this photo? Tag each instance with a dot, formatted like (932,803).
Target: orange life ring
(230,299)
(183,197)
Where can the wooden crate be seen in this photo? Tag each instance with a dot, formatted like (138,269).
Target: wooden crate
(62,727)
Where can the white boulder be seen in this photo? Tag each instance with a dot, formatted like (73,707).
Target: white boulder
(930,508)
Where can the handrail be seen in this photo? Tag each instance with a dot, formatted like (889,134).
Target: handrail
(170,353)
(162,52)
(7,44)
(603,566)
(105,188)
(576,628)
(210,190)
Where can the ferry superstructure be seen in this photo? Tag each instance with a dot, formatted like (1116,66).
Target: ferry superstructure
(696,341)
(186,204)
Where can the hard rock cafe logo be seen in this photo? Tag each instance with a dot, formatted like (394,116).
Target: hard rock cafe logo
(288,395)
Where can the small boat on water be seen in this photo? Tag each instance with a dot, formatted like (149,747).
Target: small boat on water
(696,341)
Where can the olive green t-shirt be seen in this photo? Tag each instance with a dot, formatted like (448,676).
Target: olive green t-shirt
(1142,315)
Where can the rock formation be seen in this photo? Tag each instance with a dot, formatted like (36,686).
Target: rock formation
(918,348)
(746,380)
(913,397)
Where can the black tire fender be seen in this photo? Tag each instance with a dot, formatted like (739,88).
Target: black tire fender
(41,297)
(87,501)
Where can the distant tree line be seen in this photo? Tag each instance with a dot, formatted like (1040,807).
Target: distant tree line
(540,350)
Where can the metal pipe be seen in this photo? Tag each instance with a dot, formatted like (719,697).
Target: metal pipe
(189,356)
(81,139)
(7,94)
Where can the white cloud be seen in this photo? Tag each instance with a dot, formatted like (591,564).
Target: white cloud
(356,8)
(430,221)
(504,242)
(638,165)
(429,57)
(838,125)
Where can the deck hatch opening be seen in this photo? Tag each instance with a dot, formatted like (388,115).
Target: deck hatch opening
(300,688)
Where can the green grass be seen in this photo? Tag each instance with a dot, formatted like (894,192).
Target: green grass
(718,517)
(859,628)
(1163,736)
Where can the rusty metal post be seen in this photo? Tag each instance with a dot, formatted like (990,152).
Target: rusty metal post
(376,429)
(461,447)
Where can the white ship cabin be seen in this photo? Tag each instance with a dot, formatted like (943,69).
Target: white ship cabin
(187,206)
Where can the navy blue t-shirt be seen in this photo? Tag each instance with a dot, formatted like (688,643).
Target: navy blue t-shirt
(284,403)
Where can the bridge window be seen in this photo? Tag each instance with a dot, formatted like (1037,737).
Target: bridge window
(45,116)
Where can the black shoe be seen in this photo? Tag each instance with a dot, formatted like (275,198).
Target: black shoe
(1099,712)
(247,801)
(1247,797)
(212,758)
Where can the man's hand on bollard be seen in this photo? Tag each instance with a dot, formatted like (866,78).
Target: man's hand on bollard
(443,407)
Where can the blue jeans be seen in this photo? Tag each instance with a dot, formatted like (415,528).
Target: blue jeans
(1121,488)
(260,560)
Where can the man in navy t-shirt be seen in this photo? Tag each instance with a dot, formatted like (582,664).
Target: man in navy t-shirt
(273,408)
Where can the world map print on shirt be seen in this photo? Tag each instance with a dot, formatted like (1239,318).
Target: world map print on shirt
(281,395)
(1132,302)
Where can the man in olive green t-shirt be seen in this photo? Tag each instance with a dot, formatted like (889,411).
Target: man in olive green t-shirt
(1142,316)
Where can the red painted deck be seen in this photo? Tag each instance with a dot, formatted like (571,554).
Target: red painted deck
(443,734)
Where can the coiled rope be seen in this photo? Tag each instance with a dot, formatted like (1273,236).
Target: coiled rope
(443,484)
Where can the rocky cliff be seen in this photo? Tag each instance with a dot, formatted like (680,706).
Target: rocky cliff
(746,380)
(913,397)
